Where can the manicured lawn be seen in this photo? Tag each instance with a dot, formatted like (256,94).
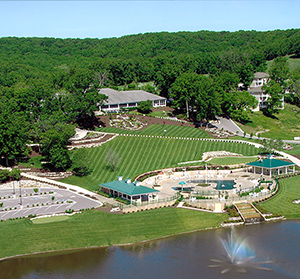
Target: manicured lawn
(286,126)
(295,150)
(282,202)
(50,219)
(232,160)
(141,154)
(162,130)
(96,228)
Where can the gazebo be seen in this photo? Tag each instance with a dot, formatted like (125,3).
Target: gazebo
(133,192)
(271,166)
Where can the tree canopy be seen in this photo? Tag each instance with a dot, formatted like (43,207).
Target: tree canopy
(50,83)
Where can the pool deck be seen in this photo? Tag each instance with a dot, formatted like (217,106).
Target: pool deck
(167,180)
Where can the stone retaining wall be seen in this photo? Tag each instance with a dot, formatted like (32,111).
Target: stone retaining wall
(207,205)
(147,207)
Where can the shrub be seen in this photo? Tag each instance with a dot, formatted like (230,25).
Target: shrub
(4,175)
(122,200)
(103,194)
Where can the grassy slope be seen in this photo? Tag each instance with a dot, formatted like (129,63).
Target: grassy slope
(286,126)
(139,155)
(232,160)
(282,202)
(293,63)
(96,228)
(159,130)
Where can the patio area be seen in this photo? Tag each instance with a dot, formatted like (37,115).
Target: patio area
(215,184)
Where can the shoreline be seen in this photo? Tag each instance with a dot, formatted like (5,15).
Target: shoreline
(65,251)
(71,250)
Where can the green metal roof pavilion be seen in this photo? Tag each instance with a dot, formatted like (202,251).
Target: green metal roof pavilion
(270,164)
(130,189)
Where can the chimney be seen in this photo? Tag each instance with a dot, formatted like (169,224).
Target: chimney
(137,183)
(128,180)
(120,178)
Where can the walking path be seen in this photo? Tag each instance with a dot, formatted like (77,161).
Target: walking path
(71,187)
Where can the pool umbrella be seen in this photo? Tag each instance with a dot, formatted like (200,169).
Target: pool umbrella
(181,183)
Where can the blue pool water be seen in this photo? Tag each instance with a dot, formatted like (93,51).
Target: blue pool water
(221,184)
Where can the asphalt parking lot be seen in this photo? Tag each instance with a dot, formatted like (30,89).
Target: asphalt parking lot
(42,202)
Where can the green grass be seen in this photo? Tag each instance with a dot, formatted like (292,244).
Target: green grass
(282,202)
(232,160)
(159,130)
(139,155)
(286,125)
(50,219)
(96,228)
(292,62)
(34,162)
(295,150)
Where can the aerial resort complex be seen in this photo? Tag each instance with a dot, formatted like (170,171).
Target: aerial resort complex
(202,188)
(110,146)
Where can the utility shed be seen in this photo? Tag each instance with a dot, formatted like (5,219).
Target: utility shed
(271,166)
(133,192)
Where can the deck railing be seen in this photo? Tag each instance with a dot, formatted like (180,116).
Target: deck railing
(140,204)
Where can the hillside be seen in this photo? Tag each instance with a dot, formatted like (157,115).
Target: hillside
(285,126)
(293,62)
(140,57)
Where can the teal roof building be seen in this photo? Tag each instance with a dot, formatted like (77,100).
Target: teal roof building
(271,166)
(129,191)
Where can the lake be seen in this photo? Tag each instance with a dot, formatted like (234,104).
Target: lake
(254,251)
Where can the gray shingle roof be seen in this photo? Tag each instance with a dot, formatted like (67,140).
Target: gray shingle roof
(261,75)
(255,89)
(123,97)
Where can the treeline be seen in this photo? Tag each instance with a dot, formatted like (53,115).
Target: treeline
(47,85)
(145,57)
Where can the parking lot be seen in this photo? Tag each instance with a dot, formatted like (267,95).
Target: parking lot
(46,201)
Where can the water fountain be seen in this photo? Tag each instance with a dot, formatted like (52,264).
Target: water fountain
(239,257)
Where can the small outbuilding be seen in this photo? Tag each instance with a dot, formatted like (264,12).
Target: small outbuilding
(133,192)
(272,166)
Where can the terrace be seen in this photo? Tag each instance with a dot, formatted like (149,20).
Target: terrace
(212,189)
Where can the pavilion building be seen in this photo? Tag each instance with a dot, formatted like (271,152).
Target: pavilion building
(133,192)
(272,167)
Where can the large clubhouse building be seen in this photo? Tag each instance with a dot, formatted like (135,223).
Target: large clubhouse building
(118,100)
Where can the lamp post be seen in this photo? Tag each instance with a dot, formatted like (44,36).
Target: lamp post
(20,193)
(14,190)
(206,173)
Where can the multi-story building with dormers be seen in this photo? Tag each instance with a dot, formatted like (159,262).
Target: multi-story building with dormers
(255,90)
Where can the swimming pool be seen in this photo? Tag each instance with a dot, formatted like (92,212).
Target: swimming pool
(221,184)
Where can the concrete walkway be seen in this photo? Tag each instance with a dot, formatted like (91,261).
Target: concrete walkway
(58,184)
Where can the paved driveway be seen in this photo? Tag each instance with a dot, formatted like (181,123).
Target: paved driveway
(228,125)
(42,203)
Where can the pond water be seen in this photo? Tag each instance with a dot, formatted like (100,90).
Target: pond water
(256,251)
(221,184)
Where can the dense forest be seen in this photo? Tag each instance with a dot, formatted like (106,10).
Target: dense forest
(48,85)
